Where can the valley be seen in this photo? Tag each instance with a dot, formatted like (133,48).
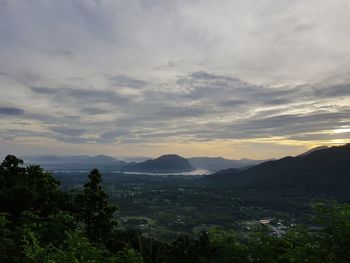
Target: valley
(164,205)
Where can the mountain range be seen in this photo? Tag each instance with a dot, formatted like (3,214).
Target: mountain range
(325,170)
(322,170)
(76,163)
(165,163)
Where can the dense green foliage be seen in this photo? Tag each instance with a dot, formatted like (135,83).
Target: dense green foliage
(41,223)
(94,208)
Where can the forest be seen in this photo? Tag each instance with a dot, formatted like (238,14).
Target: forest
(43,221)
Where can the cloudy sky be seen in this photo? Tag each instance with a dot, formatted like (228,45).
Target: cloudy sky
(239,78)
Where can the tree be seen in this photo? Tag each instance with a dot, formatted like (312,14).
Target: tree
(75,248)
(26,188)
(8,249)
(188,250)
(95,210)
(334,237)
(129,255)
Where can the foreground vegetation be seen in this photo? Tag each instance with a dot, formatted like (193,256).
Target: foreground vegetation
(41,223)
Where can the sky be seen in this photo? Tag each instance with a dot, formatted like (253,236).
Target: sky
(241,78)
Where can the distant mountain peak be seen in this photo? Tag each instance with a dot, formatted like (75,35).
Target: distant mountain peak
(167,156)
(165,163)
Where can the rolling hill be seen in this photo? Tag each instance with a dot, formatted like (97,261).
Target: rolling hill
(218,163)
(165,163)
(323,171)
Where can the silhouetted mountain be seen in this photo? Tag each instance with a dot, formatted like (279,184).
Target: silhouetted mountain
(133,159)
(322,171)
(165,163)
(75,163)
(313,150)
(224,172)
(218,163)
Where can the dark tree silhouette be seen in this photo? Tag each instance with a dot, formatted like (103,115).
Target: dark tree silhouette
(28,188)
(95,210)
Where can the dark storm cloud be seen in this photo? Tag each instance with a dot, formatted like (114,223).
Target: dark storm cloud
(11,111)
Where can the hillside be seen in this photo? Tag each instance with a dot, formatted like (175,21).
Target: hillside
(165,163)
(218,163)
(313,150)
(321,171)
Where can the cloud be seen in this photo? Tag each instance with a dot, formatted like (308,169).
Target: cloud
(339,90)
(125,81)
(180,112)
(266,41)
(288,124)
(150,72)
(199,106)
(43,90)
(10,111)
(233,103)
(94,111)
(13,134)
(112,135)
(68,131)
(313,136)
(62,52)
(81,95)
